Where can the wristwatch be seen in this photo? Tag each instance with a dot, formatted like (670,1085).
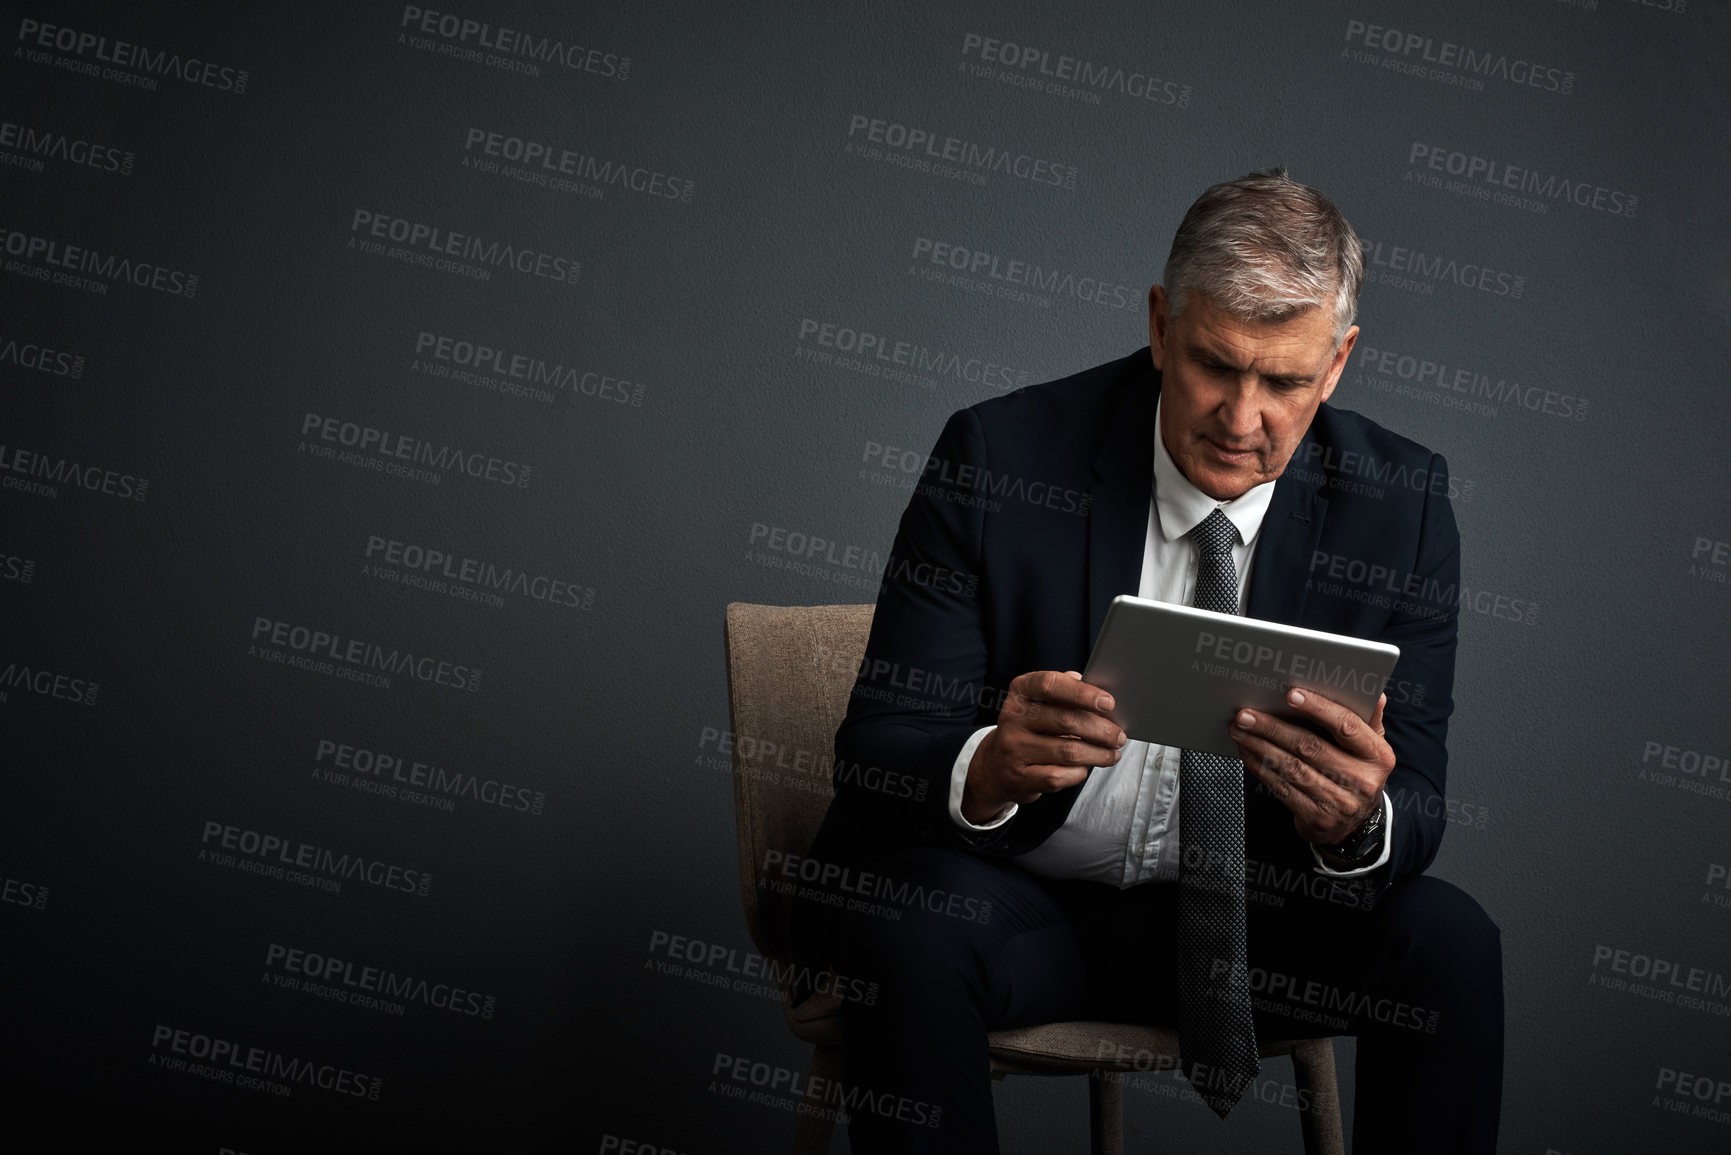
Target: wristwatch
(1362,843)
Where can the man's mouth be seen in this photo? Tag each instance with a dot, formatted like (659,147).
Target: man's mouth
(1228,455)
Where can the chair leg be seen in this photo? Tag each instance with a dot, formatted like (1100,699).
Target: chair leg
(812,1133)
(1319,1097)
(1105,1113)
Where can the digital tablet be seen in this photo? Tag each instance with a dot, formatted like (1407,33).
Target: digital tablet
(1179,674)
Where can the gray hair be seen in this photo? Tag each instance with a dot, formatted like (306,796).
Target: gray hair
(1266,248)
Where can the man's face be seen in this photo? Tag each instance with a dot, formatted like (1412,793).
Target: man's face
(1237,396)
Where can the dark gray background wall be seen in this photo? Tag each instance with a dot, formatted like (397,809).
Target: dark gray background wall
(197,313)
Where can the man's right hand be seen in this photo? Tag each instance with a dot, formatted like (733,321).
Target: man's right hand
(1053,728)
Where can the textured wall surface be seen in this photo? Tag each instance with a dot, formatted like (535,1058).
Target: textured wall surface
(391,398)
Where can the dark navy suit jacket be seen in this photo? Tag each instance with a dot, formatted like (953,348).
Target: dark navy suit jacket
(1032,515)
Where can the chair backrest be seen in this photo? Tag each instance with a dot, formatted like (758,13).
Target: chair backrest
(790,670)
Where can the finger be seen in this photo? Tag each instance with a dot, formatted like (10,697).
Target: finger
(1305,745)
(1083,724)
(1313,799)
(1284,776)
(1043,750)
(1376,716)
(1047,779)
(1058,689)
(1346,729)
(1024,699)
(1341,799)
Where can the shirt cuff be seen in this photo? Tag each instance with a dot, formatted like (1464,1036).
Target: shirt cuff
(1381,859)
(959,782)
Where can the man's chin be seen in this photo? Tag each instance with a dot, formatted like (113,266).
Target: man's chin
(1224,483)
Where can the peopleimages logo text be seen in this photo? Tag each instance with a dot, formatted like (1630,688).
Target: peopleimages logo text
(384,767)
(103,269)
(275,852)
(977,263)
(41,358)
(378,982)
(257,1068)
(934,146)
(407,447)
(51,471)
(512,42)
(440,242)
(922,361)
(1076,70)
(319,644)
(554,160)
(26,679)
(1552,187)
(122,54)
(1464,58)
(1383,260)
(42,142)
(520,369)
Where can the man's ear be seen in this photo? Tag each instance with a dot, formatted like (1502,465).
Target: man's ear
(1158,325)
(1340,356)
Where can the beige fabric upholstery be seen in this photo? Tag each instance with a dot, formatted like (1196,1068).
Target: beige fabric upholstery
(789,672)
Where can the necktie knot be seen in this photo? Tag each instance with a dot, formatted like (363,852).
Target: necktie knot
(1216,575)
(1214,534)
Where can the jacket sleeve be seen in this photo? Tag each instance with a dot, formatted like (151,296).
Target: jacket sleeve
(1424,625)
(920,690)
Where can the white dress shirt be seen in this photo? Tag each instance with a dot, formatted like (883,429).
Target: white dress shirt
(1123,828)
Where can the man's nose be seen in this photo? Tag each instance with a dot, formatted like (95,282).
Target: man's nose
(1239,413)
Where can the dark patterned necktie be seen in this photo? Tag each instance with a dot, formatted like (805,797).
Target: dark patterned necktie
(1216,1037)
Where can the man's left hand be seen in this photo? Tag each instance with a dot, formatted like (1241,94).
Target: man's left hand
(1331,778)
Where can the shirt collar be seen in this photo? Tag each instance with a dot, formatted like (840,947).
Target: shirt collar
(1182,507)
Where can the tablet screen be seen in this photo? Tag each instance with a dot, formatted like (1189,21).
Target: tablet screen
(1179,674)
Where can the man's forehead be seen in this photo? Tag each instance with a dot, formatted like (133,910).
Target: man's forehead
(1298,345)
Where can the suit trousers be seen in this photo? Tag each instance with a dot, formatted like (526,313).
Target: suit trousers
(975,944)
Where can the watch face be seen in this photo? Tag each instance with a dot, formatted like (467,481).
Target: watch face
(1371,827)
(1362,847)
(1364,841)
(1361,844)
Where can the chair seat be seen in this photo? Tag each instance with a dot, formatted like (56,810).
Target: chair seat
(1044,1048)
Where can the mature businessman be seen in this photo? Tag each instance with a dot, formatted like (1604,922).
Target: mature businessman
(1044,867)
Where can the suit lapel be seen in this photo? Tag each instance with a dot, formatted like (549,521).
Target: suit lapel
(1119,500)
(1290,532)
